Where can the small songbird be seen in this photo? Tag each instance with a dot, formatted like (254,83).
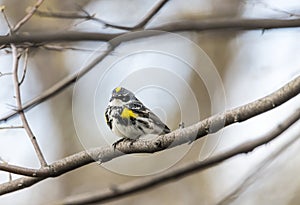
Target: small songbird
(128,118)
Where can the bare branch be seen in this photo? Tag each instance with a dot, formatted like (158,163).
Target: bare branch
(26,18)
(66,15)
(24,67)
(87,16)
(143,22)
(150,15)
(203,25)
(10,127)
(2,9)
(69,15)
(63,48)
(58,87)
(70,36)
(4,74)
(257,171)
(19,104)
(179,172)
(175,138)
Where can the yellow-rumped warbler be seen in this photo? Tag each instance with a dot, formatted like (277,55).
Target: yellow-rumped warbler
(128,118)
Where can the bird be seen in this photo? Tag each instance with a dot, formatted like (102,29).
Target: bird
(129,118)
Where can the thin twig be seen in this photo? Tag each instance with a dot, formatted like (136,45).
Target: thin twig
(150,15)
(24,67)
(69,15)
(175,138)
(87,16)
(2,9)
(26,18)
(58,87)
(11,127)
(4,74)
(19,105)
(179,172)
(141,25)
(64,15)
(63,48)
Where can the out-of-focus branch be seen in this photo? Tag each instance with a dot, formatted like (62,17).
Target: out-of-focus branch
(65,15)
(64,48)
(175,138)
(10,127)
(271,7)
(144,21)
(26,18)
(2,9)
(58,87)
(188,25)
(69,80)
(69,15)
(80,36)
(87,16)
(5,74)
(179,172)
(26,126)
(256,172)
(69,36)
(210,24)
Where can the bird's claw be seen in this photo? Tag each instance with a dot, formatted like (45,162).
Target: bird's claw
(123,140)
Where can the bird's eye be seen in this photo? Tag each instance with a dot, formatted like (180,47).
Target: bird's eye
(125,98)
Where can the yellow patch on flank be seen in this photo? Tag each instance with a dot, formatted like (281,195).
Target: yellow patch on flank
(126,113)
(118,89)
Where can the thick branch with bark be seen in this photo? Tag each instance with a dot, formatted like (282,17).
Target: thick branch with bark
(175,138)
(179,172)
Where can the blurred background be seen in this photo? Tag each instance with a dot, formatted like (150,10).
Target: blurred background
(186,76)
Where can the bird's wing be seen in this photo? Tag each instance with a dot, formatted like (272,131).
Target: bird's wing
(108,121)
(144,112)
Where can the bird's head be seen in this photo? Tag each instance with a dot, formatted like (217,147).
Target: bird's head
(122,94)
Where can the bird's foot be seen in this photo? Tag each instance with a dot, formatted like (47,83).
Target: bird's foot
(123,140)
(117,142)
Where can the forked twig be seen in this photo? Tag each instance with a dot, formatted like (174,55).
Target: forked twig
(29,132)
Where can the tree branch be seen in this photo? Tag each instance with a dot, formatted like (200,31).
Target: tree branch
(11,127)
(150,15)
(179,172)
(19,105)
(87,16)
(188,25)
(175,138)
(58,87)
(256,172)
(210,24)
(28,16)
(141,25)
